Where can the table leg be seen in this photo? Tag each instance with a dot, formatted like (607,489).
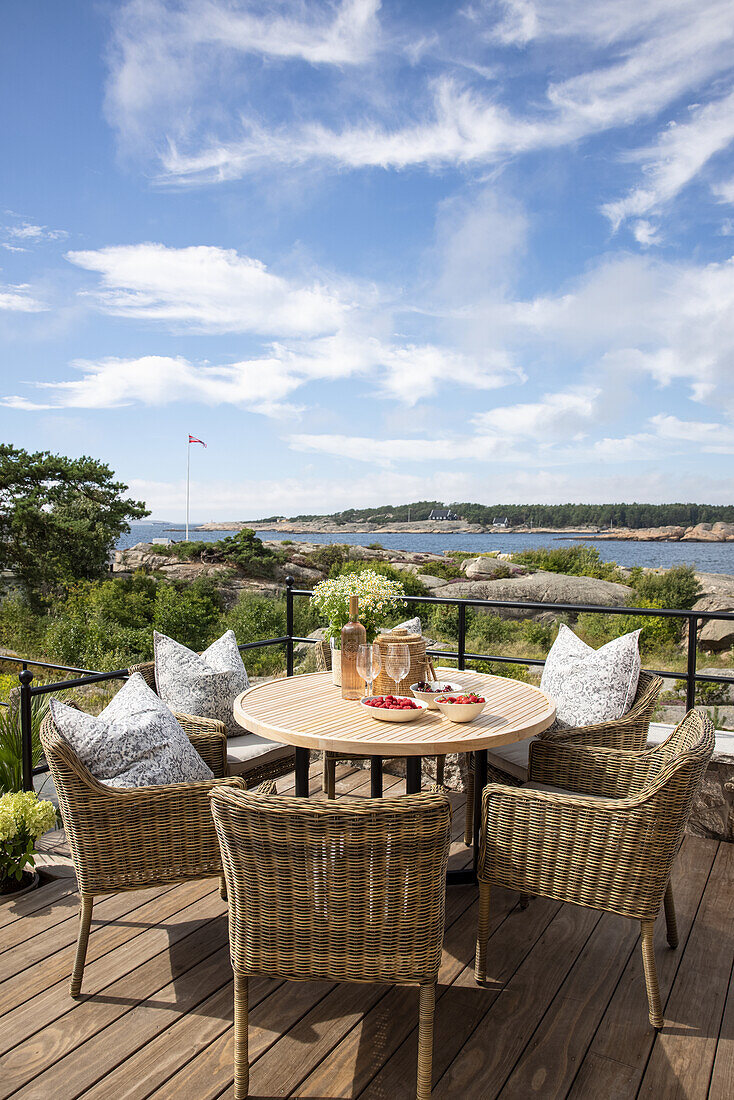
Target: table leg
(413,774)
(480,782)
(302,762)
(376,776)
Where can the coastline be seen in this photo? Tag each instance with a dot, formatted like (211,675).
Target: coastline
(702,532)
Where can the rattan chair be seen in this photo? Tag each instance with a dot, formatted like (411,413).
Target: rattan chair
(248,755)
(131,838)
(606,841)
(628,732)
(349,891)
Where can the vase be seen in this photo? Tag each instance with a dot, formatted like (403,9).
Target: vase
(336,664)
(29,882)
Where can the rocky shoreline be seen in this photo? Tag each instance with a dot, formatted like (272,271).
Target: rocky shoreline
(701,532)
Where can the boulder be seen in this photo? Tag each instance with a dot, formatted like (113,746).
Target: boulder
(716,633)
(302,575)
(484,568)
(710,532)
(433,582)
(716,584)
(543,587)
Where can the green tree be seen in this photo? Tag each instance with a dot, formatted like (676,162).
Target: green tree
(59,518)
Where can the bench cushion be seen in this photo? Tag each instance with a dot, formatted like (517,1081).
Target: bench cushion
(250,750)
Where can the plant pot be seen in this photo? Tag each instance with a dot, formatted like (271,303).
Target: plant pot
(336,664)
(29,882)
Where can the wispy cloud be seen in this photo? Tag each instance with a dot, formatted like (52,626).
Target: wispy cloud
(19,299)
(676,158)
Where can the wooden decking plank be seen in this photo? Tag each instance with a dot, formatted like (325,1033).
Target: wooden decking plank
(49,893)
(490,1053)
(684,1051)
(179,914)
(615,1061)
(350,1066)
(114,990)
(91,1059)
(140,908)
(722,1077)
(463,1004)
(549,1064)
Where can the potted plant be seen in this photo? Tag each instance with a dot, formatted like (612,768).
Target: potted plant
(379,597)
(23,818)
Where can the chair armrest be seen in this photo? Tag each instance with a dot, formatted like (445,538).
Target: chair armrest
(209,738)
(611,773)
(588,851)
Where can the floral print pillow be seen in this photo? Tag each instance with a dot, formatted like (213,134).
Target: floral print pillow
(205,685)
(591,685)
(134,742)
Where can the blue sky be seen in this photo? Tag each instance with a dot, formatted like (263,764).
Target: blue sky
(371,252)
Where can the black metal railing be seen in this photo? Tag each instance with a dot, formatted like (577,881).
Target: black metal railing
(691,677)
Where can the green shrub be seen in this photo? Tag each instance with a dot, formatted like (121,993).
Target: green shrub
(486,630)
(253,619)
(539,634)
(249,553)
(375,546)
(675,588)
(412,585)
(329,557)
(574,561)
(447,570)
(188,612)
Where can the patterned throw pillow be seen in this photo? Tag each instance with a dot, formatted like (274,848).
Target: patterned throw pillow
(134,742)
(205,685)
(591,685)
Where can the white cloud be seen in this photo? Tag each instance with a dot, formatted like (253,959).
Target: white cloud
(388,452)
(724,190)
(213,289)
(27,231)
(645,233)
(709,436)
(676,158)
(18,299)
(556,415)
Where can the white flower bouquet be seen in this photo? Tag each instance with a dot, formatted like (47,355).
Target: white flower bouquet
(379,597)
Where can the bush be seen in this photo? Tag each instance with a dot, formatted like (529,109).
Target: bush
(574,561)
(249,553)
(448,570)
(676,588)
(375,546)
(486,630)
(412,586)
(329,557)
(189,613)
(539,634)
(253,619)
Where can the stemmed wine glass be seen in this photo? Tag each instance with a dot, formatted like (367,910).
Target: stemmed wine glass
(369,664)
(397,662)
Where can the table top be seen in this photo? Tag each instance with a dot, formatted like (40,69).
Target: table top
(308,712)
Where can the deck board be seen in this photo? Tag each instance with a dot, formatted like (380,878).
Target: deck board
(563,1014)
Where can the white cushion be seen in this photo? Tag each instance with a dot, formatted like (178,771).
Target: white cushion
(251,750)
(204,685)
(134,742)
(591,685)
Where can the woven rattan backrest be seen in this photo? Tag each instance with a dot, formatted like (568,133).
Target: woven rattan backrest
(352,890)
(323,656)
(676,771)
(147,671)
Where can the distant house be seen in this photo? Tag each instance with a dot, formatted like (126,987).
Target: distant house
(442,513)
(500,521)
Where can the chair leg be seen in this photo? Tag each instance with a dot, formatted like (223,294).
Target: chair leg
(85,920)
(524,901)
(223,888)
(328,780)
(241,1062)
(425,1040)
(651,974)
(480,958)
(469,812)
(670,921)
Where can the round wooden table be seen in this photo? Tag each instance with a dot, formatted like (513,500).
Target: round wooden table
(308,712)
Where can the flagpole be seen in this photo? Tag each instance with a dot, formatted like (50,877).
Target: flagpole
(188,472)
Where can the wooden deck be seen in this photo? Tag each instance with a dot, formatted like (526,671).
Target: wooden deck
(565,1014)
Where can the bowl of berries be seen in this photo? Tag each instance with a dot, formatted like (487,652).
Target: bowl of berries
(393,708)
(428,690)
(461,708)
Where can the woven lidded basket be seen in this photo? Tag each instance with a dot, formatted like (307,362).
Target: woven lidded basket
(416,643)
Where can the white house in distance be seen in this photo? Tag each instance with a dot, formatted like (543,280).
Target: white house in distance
(442,513)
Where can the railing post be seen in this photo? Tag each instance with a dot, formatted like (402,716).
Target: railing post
(289,626)
(26,727)
(462,635)
(691,666)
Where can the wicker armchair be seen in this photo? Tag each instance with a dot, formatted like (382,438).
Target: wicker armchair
(607,841)
(349,891)
(628,732)
(248,755)
(130,838)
